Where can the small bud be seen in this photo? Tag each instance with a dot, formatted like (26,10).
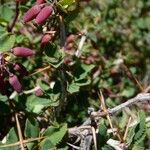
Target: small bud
(44,14)
(69,46)
(40,2)
(22,51)
(70,38)
(45,39)
(14,82)
(31,13)
(39,92)
(20,68)
(146,106)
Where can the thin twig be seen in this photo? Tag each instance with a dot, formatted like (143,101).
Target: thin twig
(41,70)
(139,98)
(75,147)
(132,77)
(10,26)
(127,128)
(101,97)
(19,132)
(24,141)
(94,138)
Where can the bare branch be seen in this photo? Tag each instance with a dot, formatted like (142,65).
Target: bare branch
(142,97)
(19,132)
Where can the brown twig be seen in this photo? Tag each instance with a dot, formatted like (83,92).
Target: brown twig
(41,70)
(24,141)
(132,77)
(127,128)
(19,132)
(101,97)
(94,137)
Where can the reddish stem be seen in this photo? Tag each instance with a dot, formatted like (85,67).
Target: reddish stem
(11,25)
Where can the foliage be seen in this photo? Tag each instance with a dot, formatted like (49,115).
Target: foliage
(52,68)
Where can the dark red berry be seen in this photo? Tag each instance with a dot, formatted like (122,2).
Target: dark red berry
(40,2)
(31,13)
(14,82)
(70,38)
(39,92)
(69,46)
(45,39)
(22,51)
(44,14)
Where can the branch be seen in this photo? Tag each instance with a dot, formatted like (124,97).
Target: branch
(10,26)
(142,97)
(19,132)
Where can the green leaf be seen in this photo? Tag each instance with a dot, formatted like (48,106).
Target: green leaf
(128,92)
(54,55)
(31,128)
(31,131)
(138,147)
(107,147)
(130,135)
(73,87)
(140,131)
(11,138)
(55,134)
(83,82)
(46,144)
(64,148)
(137,133)
(43,85)
(3,98)
(36,104)
(102,129)
(102,134)
(7,41)
(66,3)
(6,13)
(123,120)
(143,23)
(82,71)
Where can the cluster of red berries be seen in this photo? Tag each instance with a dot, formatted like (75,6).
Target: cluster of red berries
(16,68)
(40,12)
